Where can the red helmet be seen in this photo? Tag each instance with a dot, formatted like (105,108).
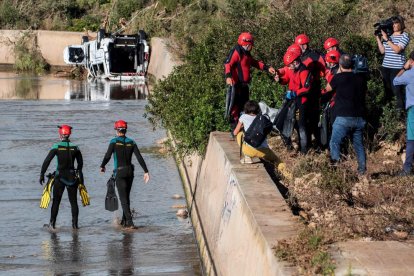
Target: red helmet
(65,130)
(120,124)
(290,57)
(294,48)
(330,42)
(302,39)
(245,39)
(333,56)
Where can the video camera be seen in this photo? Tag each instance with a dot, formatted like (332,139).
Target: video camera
(360,64)
(384,25)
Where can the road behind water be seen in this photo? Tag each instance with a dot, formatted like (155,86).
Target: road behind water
(162,245)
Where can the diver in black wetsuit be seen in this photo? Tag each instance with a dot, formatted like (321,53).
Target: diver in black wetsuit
(65,175)
(123,147)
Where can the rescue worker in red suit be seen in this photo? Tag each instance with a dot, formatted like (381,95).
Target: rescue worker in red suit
(332,43)
(315,63)
(237,71)
(299,79)
(328,98)
(332,67)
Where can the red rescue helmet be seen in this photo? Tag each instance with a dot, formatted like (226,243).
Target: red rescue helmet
(120,124)
(65,130)
(290,57)
(302,39)
(294,48)
(245,39)
(333,56)
(330,42)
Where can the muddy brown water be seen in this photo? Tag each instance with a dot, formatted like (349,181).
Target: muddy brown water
(30,110)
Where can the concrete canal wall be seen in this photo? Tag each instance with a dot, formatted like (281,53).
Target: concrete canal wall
(237,211)
(50,43)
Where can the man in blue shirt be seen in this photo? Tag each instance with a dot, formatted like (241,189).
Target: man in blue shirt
(406,77)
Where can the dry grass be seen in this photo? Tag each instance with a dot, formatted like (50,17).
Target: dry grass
(335,204)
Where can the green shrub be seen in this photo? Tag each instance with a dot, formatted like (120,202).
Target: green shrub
(123,9)
(190,102)
(9,15)
(171,5)
(391,125)
(28,58)
(86,23)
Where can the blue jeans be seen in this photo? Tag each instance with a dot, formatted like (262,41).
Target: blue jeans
(342,127)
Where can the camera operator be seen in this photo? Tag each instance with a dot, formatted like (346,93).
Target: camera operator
(394,59)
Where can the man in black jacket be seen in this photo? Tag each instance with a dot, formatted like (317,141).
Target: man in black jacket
(123,147)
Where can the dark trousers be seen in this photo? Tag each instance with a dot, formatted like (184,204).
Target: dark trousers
(302,125)
(388,75)
(58,189)
(124,186)
(313,125)
(409,155)
(241,98)
(313,114)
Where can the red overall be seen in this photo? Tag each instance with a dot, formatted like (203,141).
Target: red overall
(299,81)
(237,67)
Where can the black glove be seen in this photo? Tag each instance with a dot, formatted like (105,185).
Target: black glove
(80,175)
(42,179)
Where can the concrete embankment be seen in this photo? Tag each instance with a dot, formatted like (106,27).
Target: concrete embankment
(239,214)
(237,211)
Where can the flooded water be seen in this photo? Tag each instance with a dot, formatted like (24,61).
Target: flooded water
(162,245)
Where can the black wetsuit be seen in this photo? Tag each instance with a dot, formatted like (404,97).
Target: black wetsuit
(123,147)
(66,153)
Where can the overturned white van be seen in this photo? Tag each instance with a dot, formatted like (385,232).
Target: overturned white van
(114,57)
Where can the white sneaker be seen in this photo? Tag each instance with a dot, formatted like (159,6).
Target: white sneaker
(246,160)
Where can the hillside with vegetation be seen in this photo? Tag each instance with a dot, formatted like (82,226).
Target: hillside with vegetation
(333,203)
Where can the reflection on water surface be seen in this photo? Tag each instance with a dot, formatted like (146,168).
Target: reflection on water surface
(29,87)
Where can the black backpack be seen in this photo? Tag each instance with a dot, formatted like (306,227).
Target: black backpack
(258,130)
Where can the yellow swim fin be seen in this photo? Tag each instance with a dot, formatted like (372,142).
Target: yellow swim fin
(83,193)
(45,199)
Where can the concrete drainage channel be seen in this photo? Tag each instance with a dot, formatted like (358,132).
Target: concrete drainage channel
(237,213)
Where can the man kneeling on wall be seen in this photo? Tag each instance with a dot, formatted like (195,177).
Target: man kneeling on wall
(253,124)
